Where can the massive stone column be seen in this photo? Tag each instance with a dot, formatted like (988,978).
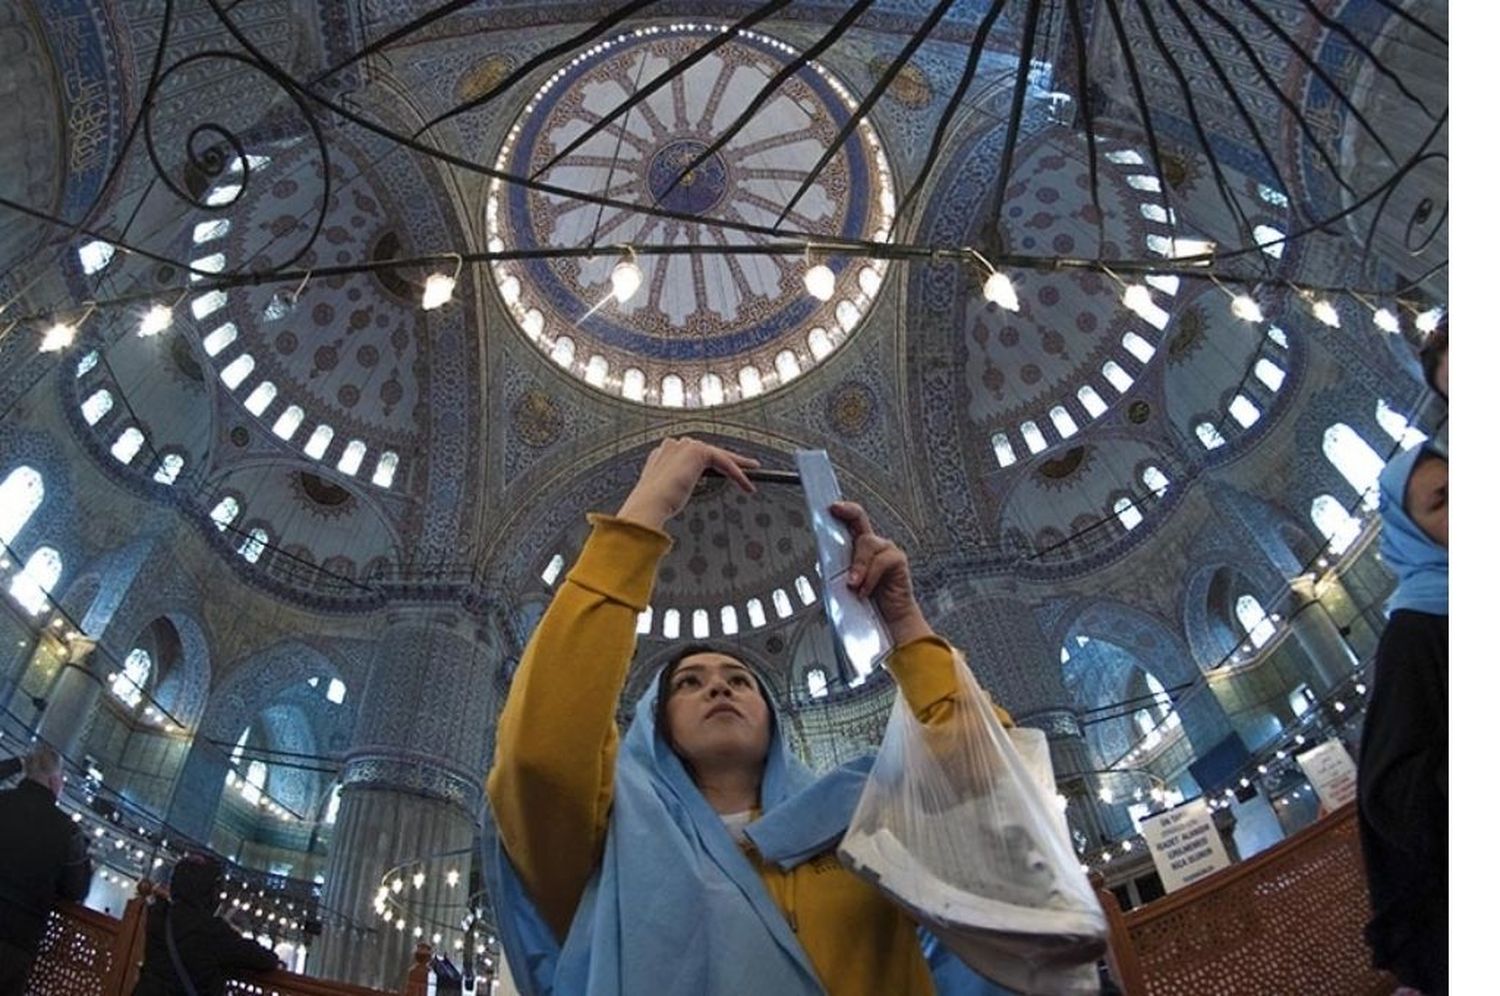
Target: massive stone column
(1329,657)
(72,700)
(411,796)
(1072,766)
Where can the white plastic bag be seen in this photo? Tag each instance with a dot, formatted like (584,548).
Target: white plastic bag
(953,827)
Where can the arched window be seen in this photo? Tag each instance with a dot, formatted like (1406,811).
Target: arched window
(336,691)
(1270,240)
(1004,453)
(1253,619)
(1117,377)
(634,384)
(819,343)
(1269,374)
(1397,426)
(847,315)
(254,545)
(1092,403)
(1155,480)
(225,512)
(711,389)
(354,455)
(729,620)
(207,231)
(238,369)
(562,351)
(255,781)
(1355,460)
(385,470)
(756,613)
(1062,421)
(1139,348)
(1157,213)
(672,393)
(671,624)
(206,304)
(37,579)
(750,384)
(782,602)
(238,754)
(1163,701)
(817,682)
(260,399)
(1035,441)
(1168,283)
(643,620)
(128,445)
(1333,520)
(805,590)
(700,624)
(319,441)
(90,361)
(596,371)
(1244,411)
(215,341)
(787,367)
(96,406)
(129,683)
(1127,513)
(552,570)
(21,495)
(213,263)
(95,256)
(331,814)
(287,423)
(1209,435)
(168,469)
(1276,335)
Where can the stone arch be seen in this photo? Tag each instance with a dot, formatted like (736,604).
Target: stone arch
(1209,617)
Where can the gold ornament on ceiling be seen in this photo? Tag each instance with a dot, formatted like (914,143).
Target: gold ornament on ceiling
(480,78)
(910,87)
(1064,466)
(538,419)
(1191,324)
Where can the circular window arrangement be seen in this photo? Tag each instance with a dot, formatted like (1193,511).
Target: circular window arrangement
(691,329)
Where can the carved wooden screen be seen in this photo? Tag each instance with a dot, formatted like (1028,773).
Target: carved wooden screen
(1289,920)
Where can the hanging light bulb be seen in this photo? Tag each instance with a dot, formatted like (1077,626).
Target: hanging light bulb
(1137,298)
(819,281)
(626,278)
(452,877)
(1386,321)
(418,879)
(155,321)
(1427,321)
(438,291)
(1244,307)
(1324,311)
(998,290)
(59,337)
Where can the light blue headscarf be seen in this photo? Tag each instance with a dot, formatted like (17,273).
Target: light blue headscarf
(675,908)
(1420,565)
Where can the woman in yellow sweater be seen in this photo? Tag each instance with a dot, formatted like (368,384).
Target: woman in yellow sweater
(668,867)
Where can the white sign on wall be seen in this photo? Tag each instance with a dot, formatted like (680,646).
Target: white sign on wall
(1331,772)
(1184,844)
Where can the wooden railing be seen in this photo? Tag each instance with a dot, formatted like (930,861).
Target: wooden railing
(1288,920)
(86,953)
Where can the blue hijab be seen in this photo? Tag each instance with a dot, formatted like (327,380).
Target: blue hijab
(675,907)
(1420,565)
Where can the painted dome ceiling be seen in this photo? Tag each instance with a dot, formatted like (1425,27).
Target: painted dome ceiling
(706,329)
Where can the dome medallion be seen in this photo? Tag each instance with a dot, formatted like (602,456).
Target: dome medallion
(703,329)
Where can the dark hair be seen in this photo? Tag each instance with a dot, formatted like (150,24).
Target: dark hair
(1432,355)
(664,683)
(195,881)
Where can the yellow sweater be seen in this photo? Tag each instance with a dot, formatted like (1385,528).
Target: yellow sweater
(553,777)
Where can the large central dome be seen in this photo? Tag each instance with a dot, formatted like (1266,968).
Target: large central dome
(703,329)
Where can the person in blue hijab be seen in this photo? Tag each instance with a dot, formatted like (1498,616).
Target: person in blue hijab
(695,855)
(1403,762)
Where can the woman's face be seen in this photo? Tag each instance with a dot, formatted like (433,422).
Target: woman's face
(715,714)
(1427,498)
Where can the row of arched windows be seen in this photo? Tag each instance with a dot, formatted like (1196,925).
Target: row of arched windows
(1360,465)
(1242,408)
(21,495)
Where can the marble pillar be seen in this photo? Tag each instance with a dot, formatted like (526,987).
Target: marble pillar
(72,701)
(1329,657)
(411,797)
(1072,762)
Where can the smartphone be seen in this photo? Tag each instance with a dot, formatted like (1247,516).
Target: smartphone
(859,633)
